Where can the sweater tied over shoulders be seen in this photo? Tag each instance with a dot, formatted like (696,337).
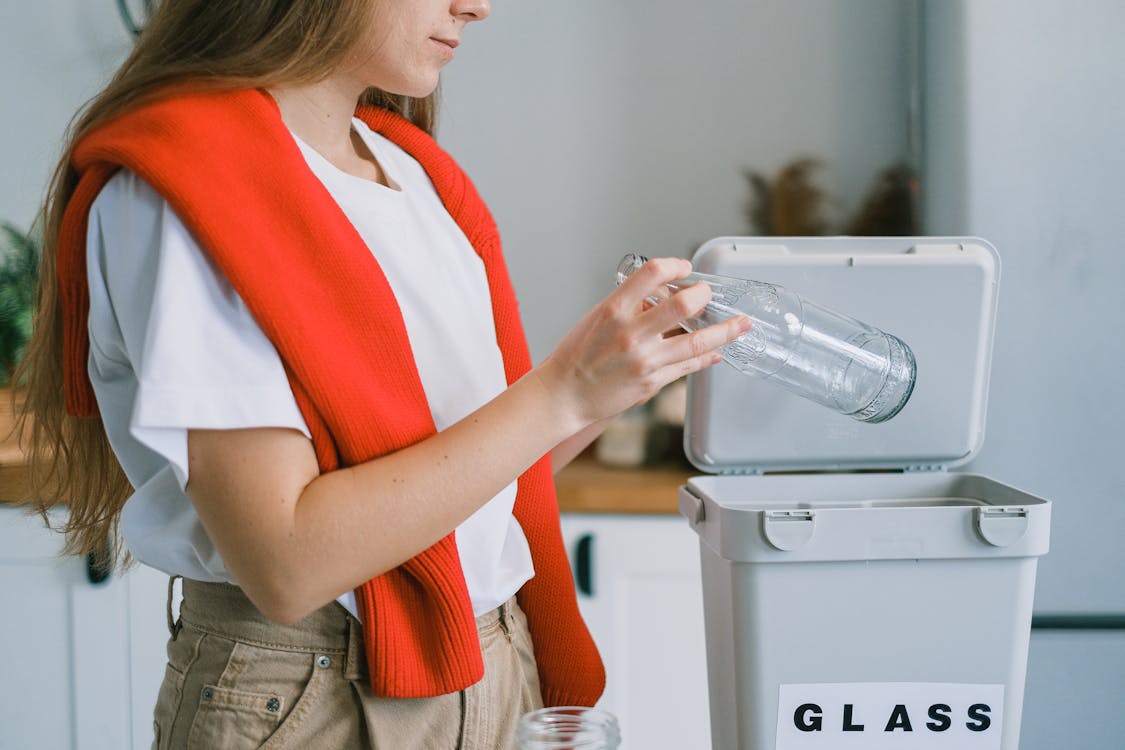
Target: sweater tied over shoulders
(231,170)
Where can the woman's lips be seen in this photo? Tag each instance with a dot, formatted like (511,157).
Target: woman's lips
(445,48)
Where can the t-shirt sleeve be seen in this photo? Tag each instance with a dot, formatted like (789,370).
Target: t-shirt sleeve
(171,341)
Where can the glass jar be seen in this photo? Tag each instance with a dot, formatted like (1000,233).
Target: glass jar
(569,727)
(829,358)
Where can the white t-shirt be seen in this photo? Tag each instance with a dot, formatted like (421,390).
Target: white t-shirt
(173,347)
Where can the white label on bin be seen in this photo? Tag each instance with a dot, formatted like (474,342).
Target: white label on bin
(885,715)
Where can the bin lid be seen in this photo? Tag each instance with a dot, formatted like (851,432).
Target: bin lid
(938,294)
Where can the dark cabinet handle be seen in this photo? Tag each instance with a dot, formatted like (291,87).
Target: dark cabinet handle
(99,566)
(583,565)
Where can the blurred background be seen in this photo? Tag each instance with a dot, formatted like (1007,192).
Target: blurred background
(592,128)
(599,127)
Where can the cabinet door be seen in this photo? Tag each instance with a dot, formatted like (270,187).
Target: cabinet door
(1075,687)
(82,661)
(639,589)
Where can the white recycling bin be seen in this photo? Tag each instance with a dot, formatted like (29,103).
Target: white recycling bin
(859,593)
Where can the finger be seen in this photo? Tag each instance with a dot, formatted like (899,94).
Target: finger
(676,370)
(650,281)
(684,304)
(701,343)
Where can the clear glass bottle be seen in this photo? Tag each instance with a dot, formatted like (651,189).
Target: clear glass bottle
(570,727)
(829,358)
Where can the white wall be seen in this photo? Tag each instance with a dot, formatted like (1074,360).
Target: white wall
(592,127)
(54,55)
(1026,147)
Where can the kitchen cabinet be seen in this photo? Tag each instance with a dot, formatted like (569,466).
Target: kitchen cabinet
(1075,686)
(638,584)
(82,661)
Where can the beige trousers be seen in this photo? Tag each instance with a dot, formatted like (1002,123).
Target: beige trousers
(236,681)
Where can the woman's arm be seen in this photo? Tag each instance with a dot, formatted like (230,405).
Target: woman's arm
(295,539)
(569,449)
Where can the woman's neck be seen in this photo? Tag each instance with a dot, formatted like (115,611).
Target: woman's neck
(320,114)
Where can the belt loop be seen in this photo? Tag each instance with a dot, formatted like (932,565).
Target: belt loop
(354,654)
(174,625)
(504,612)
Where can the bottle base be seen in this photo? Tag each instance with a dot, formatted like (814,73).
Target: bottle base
(901,376)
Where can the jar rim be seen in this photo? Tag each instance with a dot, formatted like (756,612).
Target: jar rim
(576,727)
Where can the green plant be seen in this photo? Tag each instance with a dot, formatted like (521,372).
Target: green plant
(19,265)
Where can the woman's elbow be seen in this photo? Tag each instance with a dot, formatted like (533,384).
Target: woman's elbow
(282,600)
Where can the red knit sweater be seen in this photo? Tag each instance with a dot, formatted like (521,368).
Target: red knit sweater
(229,167)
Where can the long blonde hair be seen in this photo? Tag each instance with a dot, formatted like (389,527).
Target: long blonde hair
(196,44)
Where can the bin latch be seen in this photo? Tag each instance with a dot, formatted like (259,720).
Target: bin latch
(1002,527)
(788,529)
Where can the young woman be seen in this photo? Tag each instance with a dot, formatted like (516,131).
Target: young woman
(278,350)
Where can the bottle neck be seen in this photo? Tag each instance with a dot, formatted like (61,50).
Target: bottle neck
(628,265)
(631,262)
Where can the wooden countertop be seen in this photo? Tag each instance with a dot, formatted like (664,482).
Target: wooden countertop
(585,486)
(13,475)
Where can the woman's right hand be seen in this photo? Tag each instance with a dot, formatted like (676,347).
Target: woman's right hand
(618,355)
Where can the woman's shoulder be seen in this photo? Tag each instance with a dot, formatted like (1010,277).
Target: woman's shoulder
(124,189)
(134,238)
